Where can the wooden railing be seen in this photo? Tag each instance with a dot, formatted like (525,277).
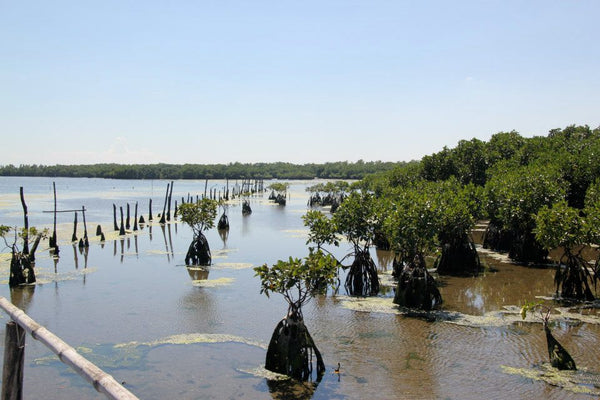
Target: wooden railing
(12,374)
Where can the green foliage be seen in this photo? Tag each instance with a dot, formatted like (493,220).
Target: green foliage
(322,230)
(280,187)
(560,226)
(29,235)
(333,188)
(296,279)
(412,221)
(514,196)
(200,216)
(458,208)
(504,146)
(355,219)
(531,306)
(4,230)
(439,166)
(592,213)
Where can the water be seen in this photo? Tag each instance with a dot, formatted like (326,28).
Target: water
(206,339)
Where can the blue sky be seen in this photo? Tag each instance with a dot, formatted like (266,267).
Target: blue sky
(298,81)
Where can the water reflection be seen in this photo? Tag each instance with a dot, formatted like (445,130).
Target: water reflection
(385,259)
(21,296)
(162,228)
(224,234)
(197,273)
(289,389)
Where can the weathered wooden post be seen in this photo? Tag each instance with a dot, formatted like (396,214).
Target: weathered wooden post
(25,223)
(53,239)
(162,216)
(127,224)
(116,226)
(150,210)
(170,195)
(74,237)
(86,242)
(122,229)
(14,357)
(135,220)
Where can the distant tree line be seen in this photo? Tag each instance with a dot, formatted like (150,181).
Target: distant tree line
(277,170)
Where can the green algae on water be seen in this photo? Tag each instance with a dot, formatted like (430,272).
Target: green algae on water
(211,283)
(579,381)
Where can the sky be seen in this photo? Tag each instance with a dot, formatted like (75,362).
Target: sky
(207,82)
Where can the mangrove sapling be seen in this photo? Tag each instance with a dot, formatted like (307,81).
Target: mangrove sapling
(355,219)
(411,227)
(563,226)
(559,357)
(291,347)
(322,231)
(279,192)
(200,216)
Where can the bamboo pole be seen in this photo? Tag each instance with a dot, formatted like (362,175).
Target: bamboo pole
(100,380)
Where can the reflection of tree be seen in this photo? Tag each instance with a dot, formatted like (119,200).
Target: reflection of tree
(162,228)
(170,240)
(22,295)
(385,259)
(245,227)
(197,273)
(291,389)
(82,251)
(122,248)
(224,234)
(199,312)
(75,258)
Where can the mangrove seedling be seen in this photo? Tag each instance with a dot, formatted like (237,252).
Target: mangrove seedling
(200,216)
(291,348)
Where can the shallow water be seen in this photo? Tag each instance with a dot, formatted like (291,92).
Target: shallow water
(132,307)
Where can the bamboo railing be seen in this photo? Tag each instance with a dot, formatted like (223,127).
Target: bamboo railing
(102,382)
